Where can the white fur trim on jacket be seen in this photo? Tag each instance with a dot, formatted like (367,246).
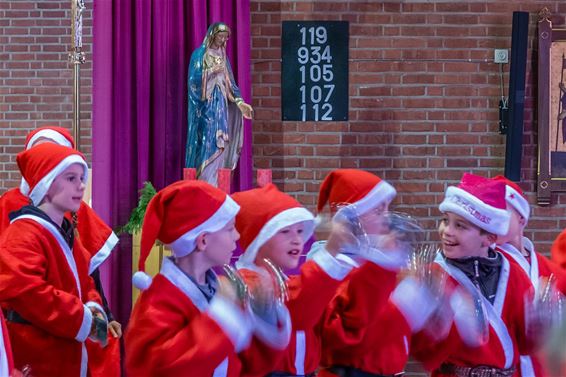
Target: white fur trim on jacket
(103,253)
(334,267)
(86,324)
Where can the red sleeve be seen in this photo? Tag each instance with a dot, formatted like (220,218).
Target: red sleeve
(259,359)
(23,267)
(359,301)
(432,353)
(10,201)
(309,294)
(548,267)
(558,250)
(95,235)
(168,336)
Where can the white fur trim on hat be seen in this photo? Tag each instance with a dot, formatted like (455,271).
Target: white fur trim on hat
(49,134)
(518,201)
(382,192)
(185,244)
(276,223)
(41,188)
(491,219)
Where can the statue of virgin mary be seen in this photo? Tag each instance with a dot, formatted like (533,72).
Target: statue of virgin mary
(216,108)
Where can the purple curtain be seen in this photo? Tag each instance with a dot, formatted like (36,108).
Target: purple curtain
(141,53)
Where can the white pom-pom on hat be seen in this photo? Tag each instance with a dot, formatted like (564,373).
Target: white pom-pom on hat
(141,280)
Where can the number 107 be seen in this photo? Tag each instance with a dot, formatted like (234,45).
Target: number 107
(316,93)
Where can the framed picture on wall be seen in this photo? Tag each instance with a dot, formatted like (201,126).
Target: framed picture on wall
(551,109)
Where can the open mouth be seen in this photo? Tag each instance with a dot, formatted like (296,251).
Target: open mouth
(449,243)
(294,252)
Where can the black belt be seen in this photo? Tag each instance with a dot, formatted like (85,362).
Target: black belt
(477,371)
(287,374)
(13,316)
(343,371)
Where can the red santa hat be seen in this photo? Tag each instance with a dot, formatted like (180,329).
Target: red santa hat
(177,215)
(515,197)
(264,212)
(57,135)
(359,188)
(479,200)
(42,164)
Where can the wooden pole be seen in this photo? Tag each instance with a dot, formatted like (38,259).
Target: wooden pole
(77,57)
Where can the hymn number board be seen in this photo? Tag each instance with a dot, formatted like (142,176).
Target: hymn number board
(314,73)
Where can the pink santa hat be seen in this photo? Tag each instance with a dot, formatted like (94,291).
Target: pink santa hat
(479,200)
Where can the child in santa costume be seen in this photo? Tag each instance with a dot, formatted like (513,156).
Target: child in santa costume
(473,215)
(366,328)
(519,249)
(95,236)
(52,305)
(180,325)
(275,226)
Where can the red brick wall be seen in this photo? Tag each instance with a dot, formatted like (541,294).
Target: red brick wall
(36,80)
(423,101)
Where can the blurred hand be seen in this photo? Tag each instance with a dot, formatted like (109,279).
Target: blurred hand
(227,290)
(340,238)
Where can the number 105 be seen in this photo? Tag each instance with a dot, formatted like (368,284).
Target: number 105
(315,73)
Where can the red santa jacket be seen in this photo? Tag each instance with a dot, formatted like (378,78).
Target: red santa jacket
(539,266)
(175,331)
(309,294)
(47,284)
(362,328)
(507,338)
(558,250)
(96,237)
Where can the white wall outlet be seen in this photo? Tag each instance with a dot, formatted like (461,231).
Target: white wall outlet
(501,56)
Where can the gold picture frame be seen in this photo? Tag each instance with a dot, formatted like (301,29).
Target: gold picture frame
(551,172)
